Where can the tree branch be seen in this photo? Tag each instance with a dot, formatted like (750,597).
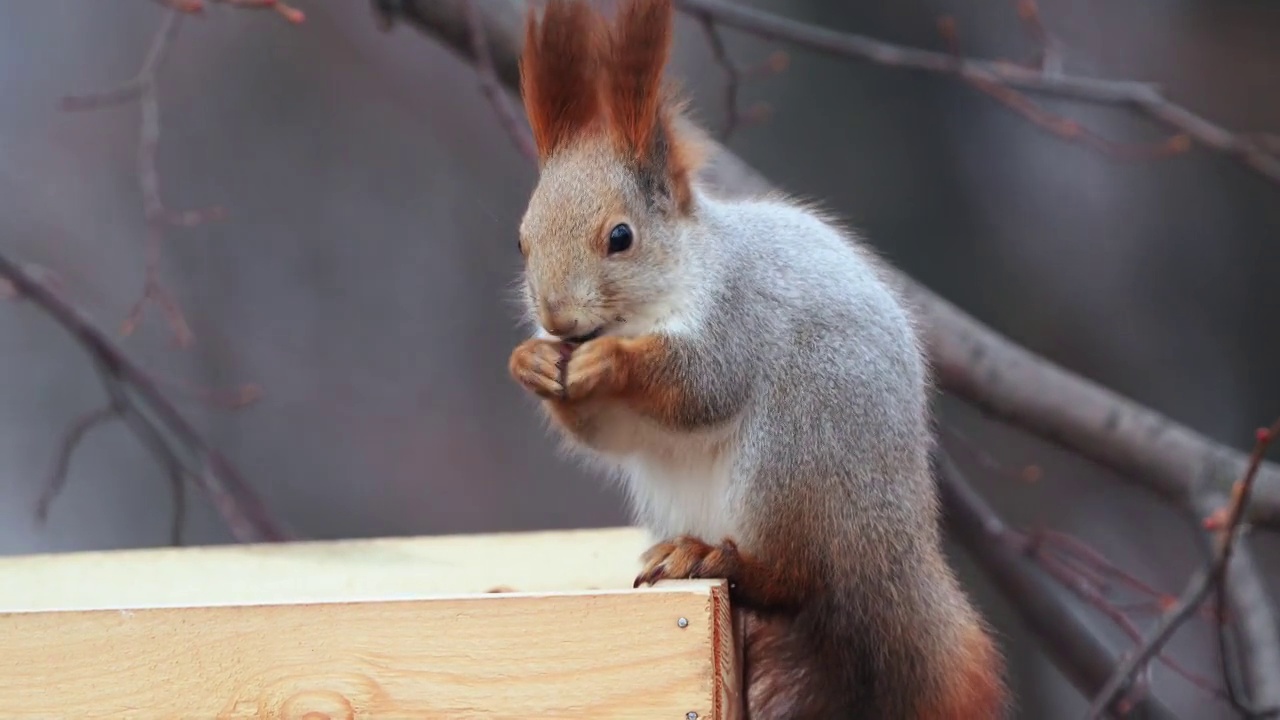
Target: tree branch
(142,89)
(1073,645)
(493,92)
(1198,589)
(135,398)
(1145,98)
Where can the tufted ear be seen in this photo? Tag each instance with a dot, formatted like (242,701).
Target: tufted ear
(560,72)
(643,110)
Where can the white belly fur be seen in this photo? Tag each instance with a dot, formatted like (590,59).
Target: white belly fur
(680,484)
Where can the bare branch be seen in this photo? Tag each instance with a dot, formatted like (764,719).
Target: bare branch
(1057,125)
(235,398)
(135,398)
(1143,97)
(734,117)
(1068,639)
(62,461)
(179,487)
(1050,58)
(1198,589)
(197,7)
(142,89)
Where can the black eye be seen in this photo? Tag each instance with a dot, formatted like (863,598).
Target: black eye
(619,238)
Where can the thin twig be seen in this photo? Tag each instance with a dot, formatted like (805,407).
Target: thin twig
(734,117)
(154,420)
(516,128)
(1200,586)
(1070,642)
(732,77)
(1050,56)
(142,88)
(197,7)
(178,485)
(1053,123)
(1088,590)
(1144,97)
(236,398)
(75,434)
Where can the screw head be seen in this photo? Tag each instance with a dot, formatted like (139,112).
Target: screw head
(684,622)
(691,715)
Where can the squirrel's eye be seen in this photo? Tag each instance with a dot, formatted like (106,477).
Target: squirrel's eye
(619,238)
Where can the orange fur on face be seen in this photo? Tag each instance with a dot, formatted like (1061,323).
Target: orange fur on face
(560,68)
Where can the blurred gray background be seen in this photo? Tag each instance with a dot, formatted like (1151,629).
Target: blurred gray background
(362,278)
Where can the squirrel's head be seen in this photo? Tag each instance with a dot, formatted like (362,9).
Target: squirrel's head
(601,236)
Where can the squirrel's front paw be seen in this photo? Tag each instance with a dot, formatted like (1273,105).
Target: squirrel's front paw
(537,364)
(593,368)
(687,557)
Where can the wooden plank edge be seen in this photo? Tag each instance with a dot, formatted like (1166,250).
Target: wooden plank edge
(708,588)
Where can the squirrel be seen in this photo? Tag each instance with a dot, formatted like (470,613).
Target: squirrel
(750,373)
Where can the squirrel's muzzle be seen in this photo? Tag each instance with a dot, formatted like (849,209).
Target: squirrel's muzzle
(566,322)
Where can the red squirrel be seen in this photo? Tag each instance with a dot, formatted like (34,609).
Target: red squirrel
(748,372)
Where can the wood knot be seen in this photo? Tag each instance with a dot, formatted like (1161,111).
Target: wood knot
(317,705)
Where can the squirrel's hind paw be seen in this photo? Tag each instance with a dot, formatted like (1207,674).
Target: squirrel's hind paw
(752,583)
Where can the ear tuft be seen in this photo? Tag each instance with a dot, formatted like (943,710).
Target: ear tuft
(639,46)
(560,72)
(646,114)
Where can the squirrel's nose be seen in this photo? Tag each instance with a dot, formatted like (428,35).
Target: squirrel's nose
(559,320)
(560,324)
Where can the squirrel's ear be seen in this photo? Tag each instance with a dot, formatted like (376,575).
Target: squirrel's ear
(643,111)
(560,72)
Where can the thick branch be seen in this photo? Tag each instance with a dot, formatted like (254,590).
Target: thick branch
(178,447)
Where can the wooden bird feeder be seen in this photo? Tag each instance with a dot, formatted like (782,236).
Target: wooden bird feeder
(514,625)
